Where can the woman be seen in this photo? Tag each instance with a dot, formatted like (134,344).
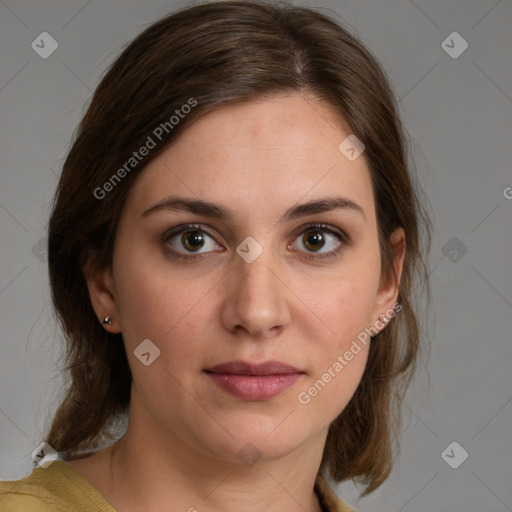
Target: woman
(233,248)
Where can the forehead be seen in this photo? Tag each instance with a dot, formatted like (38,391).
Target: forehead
(261,157)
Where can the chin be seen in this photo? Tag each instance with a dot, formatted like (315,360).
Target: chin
(256,438)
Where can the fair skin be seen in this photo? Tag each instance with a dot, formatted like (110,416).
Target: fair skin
(181,448)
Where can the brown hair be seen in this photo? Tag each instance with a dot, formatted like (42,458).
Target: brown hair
(217,54)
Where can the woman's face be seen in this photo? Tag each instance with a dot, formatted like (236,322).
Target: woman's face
(253,280)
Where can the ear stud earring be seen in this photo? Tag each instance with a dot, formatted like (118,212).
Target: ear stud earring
(107,321)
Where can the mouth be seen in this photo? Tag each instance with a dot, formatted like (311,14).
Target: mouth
(254,381)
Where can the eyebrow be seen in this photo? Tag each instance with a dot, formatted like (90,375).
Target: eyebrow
(209,209)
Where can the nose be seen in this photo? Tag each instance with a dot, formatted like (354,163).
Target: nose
(256,300)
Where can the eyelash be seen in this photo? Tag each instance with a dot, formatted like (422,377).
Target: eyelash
(342,237)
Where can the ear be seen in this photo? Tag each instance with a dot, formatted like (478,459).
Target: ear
(100,283)
(388,287)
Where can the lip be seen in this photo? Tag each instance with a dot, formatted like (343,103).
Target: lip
(254,381)
(246,368)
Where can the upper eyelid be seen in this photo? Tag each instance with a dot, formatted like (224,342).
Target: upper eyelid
(187,227)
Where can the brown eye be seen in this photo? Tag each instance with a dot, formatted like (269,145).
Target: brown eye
(320,241)
(314,240)
(189,240)
(192,240)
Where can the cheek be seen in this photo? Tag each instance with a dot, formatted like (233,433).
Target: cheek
(150,292)
(328,392)
(163,306)
(342,308)
(159,307)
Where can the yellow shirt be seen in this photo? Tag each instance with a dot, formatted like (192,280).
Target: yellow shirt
(60,488)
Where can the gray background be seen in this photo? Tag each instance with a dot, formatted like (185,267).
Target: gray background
(458,113)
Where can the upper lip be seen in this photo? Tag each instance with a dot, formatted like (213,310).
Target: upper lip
(246,368)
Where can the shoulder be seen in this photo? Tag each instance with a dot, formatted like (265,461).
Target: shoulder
(57,487)
(328,498)
(30,493)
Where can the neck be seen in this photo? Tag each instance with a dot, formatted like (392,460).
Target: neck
(156,473)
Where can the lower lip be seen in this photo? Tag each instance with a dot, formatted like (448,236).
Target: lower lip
(254,387)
